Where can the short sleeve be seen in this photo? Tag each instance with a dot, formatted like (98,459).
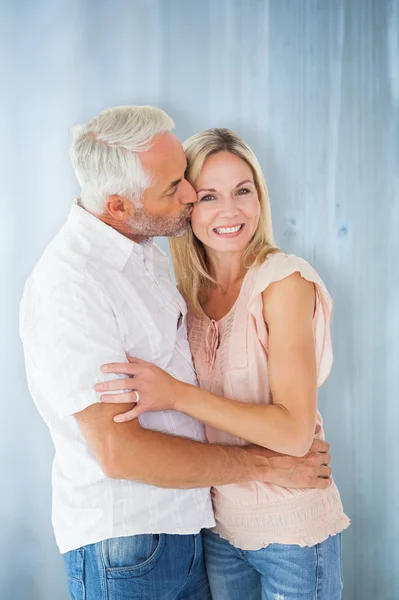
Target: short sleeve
(278,267)
(67,335)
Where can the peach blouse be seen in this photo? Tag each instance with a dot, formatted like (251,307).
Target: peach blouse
(230,357)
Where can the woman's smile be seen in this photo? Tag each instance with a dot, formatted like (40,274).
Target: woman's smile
(227,231)
(226,214)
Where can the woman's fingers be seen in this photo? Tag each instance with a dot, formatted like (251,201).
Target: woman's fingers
(134,360)
(129,415)
(124,368)
(126,398)
(115,384)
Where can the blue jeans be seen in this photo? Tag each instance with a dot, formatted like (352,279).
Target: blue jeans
(150,566)
(277,572)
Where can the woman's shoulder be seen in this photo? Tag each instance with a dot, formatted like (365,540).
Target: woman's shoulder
(280,265)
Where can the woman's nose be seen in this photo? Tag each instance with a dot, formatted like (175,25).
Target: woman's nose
(229,207)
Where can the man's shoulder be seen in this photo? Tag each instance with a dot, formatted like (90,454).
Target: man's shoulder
(65,263)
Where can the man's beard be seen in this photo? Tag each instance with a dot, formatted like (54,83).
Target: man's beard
(143,224)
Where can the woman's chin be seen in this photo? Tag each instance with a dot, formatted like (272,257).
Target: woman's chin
(226,245)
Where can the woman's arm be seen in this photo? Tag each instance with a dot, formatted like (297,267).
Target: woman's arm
(287,425)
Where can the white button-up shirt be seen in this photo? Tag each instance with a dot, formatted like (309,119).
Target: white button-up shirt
(94,296)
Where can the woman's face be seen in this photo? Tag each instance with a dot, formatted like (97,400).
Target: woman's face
(226,214)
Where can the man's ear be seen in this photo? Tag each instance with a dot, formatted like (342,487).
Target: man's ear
(119,207)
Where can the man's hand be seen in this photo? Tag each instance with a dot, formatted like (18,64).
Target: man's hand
(310,471)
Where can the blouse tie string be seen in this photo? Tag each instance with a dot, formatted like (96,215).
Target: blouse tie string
(212,343)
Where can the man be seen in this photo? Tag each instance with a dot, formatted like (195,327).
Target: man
(129,500)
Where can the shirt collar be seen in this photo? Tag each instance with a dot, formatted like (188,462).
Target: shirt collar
(116,248)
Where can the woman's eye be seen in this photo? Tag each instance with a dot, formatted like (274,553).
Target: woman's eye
(207,198)
(243,191)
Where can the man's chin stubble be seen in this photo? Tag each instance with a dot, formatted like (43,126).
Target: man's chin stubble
(149,228)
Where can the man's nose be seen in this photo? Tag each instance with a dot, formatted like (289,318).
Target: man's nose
(188,193)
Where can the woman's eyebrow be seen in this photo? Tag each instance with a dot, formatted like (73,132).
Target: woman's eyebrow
(212,190)
(206,190)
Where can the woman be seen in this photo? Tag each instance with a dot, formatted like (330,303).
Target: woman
(259,332)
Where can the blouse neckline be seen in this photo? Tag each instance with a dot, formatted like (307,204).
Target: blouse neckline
(232,309)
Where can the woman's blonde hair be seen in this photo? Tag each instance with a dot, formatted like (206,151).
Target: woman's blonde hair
(188,252)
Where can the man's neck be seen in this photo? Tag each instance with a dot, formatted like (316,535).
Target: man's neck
(121,228)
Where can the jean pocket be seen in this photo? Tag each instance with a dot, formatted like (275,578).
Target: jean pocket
(74,567)
(132,556)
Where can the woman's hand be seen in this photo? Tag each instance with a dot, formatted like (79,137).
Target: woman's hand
(150,387)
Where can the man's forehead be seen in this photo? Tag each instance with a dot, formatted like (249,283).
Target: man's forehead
(165,142)
(165,159)
(164,147)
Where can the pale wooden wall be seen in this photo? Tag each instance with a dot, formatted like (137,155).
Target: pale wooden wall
(313,86)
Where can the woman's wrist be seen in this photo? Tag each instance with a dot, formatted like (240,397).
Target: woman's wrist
(183,396)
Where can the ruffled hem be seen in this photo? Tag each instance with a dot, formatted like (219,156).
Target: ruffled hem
(305,520)
(308,537)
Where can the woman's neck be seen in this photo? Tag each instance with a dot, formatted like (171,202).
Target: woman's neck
(227,270)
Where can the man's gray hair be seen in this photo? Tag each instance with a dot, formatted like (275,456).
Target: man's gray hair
(104,153)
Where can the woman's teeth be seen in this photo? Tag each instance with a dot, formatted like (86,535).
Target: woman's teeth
(222,230)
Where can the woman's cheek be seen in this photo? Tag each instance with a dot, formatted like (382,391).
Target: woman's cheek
(252,207)
(197,223)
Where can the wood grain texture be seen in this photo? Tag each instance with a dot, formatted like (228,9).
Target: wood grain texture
(313,86)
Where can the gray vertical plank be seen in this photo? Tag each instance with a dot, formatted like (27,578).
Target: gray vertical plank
(339,200)
(185,63)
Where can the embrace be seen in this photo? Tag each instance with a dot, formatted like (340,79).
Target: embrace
(190,460)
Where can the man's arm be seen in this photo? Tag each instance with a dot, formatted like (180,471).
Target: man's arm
(128,451)
(67,336)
